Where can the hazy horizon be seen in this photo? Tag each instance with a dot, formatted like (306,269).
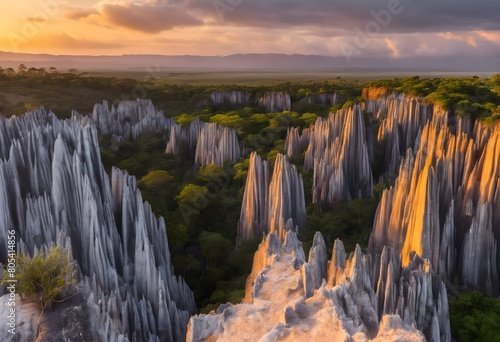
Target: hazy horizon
(393,30)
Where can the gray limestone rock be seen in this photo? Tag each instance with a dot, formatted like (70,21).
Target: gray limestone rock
(55,191)
(205,143)
(275,101)
(339,155)
(129,119)
(273,204)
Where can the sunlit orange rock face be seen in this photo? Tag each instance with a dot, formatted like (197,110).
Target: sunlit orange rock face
(373,93)
(446,198)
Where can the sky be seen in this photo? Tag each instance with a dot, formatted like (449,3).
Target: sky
(350,28)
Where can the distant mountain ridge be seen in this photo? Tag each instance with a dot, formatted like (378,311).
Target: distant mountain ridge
(269,61)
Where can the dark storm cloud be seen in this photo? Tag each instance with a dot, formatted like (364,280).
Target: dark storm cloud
(149,18)
(414,16)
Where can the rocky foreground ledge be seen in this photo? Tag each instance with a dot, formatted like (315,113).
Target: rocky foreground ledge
(349,298)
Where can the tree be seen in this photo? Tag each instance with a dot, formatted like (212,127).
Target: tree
(53,70)
(21,68)
(496,79)
(156,179)
(73,71)
(194,196)
(45,277)
(212,173)
(214,246)
(475,317)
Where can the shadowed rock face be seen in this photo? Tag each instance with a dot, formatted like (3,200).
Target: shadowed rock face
(445,201)
(338,152)
(355,297)
(273,204)
(130,119)
(207,143)
(54,190)
(275,101)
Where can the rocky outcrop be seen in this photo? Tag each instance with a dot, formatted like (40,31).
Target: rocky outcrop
(217,144)
(130,119)
(296,143)
(275,101)
(206,143)
(329,99)
(254,207)
(183,139)
(339,155)
(273,204)
(231,97)
(401,120)
(444,202)
(25,312)
(54,190)
(286,198)
(367,297)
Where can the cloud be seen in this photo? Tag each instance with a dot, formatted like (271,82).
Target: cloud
(406,16)
(36,20)
(80,13)
(148,17)
(64,42)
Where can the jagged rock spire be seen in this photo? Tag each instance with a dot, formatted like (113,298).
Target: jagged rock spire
(275,101)
(273,204)
(207,143)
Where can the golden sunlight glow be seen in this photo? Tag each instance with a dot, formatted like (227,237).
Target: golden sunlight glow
(114,27)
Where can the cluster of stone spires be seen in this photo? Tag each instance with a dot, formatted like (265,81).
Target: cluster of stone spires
(445,202)
(339,151)
(206,143)
(55,191)
(273,203)
(272,101)
(130,119)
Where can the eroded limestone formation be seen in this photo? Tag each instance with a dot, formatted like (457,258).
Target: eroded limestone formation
(231,97)
(55,191)
(338,153)
(206,143)
(357,297)
(274,204)
(445,201)
(330,99)
(130,119)
(275,101)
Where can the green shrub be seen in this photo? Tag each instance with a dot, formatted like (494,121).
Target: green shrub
(43,279)
(475,317)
